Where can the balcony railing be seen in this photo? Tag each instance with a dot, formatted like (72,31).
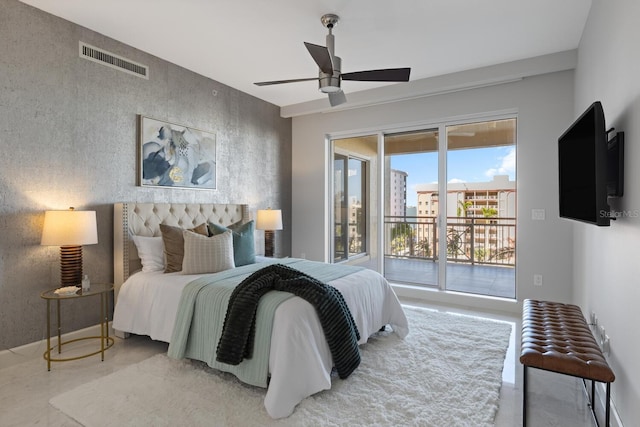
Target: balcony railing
(472,240)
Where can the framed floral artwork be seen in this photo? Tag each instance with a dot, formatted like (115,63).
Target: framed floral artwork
(177,156)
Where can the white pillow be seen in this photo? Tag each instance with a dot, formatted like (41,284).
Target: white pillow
(151,252)
(204,254)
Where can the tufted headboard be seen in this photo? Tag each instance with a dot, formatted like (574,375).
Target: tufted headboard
(144,219)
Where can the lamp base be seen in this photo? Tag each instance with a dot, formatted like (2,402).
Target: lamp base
(70,265)
(268,243)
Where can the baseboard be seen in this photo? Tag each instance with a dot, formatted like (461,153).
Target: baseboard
(459,299)
(24,353)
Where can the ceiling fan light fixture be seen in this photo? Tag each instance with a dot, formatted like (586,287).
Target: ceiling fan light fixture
(329,89)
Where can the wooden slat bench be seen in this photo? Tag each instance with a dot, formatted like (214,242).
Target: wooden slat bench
(556,337)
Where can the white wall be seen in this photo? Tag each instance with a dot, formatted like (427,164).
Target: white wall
(544,106)
(606,264)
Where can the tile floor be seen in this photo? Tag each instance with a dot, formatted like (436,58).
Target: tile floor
(26,387)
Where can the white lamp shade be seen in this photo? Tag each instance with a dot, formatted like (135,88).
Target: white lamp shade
(269,219)
(69,228)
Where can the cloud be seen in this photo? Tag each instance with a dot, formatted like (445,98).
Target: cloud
(456,181)
(507,166)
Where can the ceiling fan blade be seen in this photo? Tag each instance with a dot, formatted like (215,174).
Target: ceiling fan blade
(322,57)
(337,98)
(386,75)
(277,82)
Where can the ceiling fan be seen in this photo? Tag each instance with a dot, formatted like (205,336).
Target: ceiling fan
(329,75)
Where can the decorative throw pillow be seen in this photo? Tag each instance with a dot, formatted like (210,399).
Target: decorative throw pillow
(244,249)
(150,252)
(207,254)
(174,245)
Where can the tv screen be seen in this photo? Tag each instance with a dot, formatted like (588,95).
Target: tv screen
(582,157)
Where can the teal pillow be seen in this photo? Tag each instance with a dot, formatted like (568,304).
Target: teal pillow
(244,249)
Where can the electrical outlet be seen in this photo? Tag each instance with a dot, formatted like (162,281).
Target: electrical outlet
(606,345)
(537,214)
(537,280)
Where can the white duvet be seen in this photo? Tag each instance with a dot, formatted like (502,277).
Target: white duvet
(300,361)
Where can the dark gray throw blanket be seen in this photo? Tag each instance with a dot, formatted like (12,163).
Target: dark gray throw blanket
(337,322)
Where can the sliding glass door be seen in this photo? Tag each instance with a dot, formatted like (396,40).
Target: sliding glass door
(410,219)
(448,205)
(481,208)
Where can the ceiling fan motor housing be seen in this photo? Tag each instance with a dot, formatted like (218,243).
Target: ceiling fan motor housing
(329,83)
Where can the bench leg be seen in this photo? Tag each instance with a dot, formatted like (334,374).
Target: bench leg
(524,395)
(592,402)
(608,405)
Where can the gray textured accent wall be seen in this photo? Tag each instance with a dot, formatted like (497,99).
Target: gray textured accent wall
(68,128)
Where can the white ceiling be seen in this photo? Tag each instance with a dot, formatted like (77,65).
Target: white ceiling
(239,42)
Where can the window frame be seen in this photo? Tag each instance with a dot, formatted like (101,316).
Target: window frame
(366,171)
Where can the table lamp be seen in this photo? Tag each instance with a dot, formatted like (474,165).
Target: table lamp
(70,230)
(269,220)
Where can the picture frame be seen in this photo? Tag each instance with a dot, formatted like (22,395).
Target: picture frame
(175,156)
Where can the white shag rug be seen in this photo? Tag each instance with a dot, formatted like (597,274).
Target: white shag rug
(447,372)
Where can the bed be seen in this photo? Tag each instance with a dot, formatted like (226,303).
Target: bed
(298,358)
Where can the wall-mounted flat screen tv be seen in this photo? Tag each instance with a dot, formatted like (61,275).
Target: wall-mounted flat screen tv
(590,168)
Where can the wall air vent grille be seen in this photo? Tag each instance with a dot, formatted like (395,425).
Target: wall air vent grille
(114,61)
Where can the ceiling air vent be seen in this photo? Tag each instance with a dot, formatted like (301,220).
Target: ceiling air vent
(114,61)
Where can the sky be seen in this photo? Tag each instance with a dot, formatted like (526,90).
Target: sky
(470,165)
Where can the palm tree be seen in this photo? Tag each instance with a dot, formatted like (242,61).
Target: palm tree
(489,212)
(463,207)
